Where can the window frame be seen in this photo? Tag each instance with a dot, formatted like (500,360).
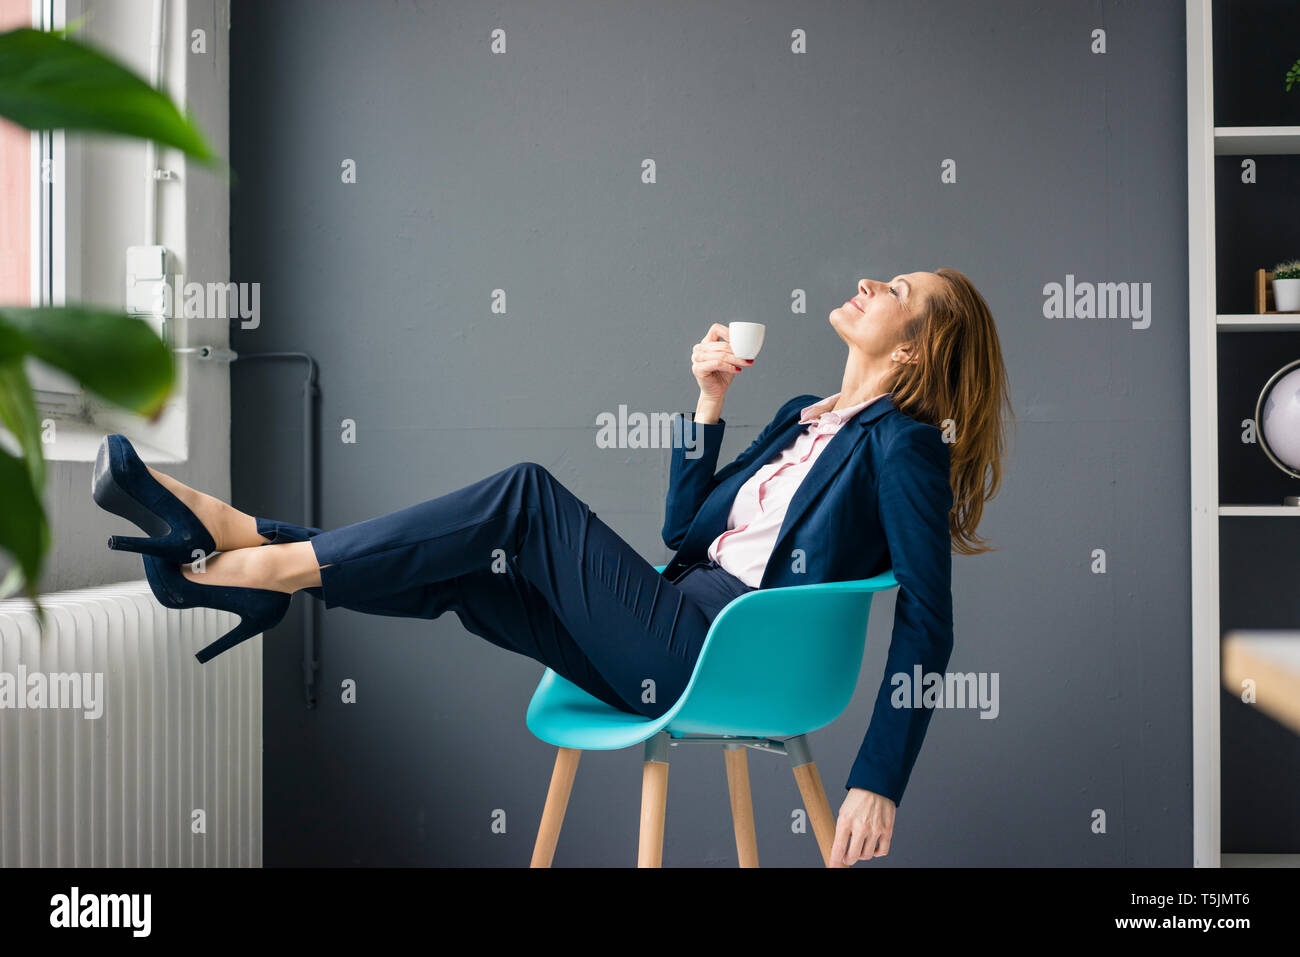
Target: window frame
(53,183)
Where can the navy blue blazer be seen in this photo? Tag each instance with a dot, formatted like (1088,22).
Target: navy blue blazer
(877,496)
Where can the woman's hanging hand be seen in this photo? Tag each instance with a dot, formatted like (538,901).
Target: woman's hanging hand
(713,364)
(864,827)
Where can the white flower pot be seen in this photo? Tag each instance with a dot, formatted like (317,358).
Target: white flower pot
(1286,295)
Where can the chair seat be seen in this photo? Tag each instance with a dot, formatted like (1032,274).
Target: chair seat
(564,715)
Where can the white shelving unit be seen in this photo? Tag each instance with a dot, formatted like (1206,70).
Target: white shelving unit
(1283,511)
(1288,322)
(1205,141)
(1256,140)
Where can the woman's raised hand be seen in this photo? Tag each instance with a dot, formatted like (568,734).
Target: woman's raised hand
(713,364)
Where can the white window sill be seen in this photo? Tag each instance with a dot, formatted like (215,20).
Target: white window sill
(74,424)
(77,440)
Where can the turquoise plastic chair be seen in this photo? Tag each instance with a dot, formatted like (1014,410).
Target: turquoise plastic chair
(777,664)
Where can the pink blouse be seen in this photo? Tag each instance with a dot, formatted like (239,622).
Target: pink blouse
(759,507)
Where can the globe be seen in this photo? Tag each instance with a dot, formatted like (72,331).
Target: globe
(1277,421)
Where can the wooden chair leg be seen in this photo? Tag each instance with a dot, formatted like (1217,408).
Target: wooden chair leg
(742,804)
(654,802)
(814,795)
(557,801)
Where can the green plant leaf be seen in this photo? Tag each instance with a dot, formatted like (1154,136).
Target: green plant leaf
(18,415)
(114,355)
(49,81)
(24,531)
(12,342)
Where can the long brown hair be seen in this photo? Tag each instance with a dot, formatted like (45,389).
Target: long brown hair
(959,384)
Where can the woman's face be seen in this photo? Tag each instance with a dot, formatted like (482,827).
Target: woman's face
(874,319)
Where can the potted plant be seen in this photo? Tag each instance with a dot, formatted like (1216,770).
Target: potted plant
(1286,286)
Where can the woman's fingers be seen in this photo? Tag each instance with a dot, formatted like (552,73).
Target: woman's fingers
(716,345)
(729,362)
(702,352)
(858,843)
(717,350)
(713,365)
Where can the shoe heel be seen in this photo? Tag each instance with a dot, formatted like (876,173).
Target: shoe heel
(164,546)
(242,632)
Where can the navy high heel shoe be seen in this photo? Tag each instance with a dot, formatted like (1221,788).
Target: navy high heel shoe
(259,609)
(121,484)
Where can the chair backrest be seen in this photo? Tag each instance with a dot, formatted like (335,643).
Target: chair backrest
(780,661)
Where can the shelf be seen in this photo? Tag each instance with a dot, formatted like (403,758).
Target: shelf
(1268,322)
(1264,140)
(1255,511)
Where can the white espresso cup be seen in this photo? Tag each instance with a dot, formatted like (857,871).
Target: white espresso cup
(746,338)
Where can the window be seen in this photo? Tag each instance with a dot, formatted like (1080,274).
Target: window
(33,217)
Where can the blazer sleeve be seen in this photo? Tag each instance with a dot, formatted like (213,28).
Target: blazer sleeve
(691,479)
(915,498)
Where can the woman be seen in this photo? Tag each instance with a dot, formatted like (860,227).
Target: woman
(917,430)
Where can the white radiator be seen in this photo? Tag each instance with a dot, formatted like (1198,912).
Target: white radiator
(167,773)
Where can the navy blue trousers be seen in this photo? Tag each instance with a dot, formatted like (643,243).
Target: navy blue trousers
(524,563)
